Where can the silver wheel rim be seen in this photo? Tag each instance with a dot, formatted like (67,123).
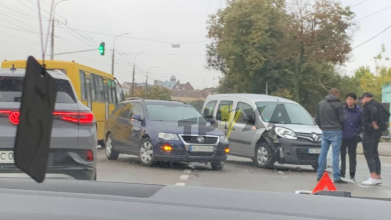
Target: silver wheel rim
(262,155)
(108,146)
(146,152)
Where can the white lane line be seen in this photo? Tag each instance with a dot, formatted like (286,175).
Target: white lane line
(187,171)
(184,177)
(180,184)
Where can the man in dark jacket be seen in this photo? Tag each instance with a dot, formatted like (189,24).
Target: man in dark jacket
(371,138)
(330,117)
(351,131)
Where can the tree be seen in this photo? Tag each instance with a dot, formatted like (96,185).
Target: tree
(153,92)
(295,47)
(197,104)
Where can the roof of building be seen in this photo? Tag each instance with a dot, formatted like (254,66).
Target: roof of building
(166,84)
(187,93)
(186,86)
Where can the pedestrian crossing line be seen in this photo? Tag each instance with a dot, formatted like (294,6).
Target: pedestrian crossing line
(187,171)
(184,177)
(180,184)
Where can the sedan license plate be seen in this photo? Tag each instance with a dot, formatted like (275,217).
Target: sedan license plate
(314,151)
(201,149)
(6,157)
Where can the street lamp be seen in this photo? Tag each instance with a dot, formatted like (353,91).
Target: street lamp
(52,35)
(134,70)
(112,59)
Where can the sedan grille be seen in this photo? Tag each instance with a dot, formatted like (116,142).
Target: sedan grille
(200,139)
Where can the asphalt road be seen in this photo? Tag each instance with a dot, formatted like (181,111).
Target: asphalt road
(238,173)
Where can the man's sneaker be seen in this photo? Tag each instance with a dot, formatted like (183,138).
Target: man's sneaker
(353,179)
(379,181)
(370,182)
(341,181)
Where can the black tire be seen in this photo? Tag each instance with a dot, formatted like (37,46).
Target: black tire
(146,152)
(315,167)
(111,154)
(217,165)
(101,143)
(264,155)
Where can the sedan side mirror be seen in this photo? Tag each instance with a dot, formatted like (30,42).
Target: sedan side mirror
(212,121)
(136,118)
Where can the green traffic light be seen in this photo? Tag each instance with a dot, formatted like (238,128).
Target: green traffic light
(102,49)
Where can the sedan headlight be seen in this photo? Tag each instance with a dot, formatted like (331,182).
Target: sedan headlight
(223,139)
(285,133)
(168,136)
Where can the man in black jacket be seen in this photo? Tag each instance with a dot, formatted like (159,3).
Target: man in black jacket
(371,138)
(330,118)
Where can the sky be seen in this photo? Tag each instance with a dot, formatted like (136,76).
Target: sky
(152,27)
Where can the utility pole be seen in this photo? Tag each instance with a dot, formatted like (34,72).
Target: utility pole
(267,85)
(146,87)
(134,71)
(112,58)
(52,35)
(146,82)
(52,41)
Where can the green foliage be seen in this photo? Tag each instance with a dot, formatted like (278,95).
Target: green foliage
(153,92)
(293,47)
(197,104)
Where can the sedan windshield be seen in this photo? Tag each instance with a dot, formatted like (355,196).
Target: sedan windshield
(284,113)
(161,112)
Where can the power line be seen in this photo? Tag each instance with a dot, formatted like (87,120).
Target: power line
(374,13)
(29,7)
(359,3)
(18,12)
(134,38)
(372,37)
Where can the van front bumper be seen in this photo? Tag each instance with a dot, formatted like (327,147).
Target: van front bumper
(298,152)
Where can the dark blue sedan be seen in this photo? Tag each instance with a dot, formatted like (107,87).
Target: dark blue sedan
(169,131)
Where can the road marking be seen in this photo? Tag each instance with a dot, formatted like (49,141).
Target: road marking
(180,184)
(184,177)
(187,171)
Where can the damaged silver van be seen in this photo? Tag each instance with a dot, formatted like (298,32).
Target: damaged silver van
(265,128)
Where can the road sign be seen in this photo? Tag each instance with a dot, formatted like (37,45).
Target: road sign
(325,182)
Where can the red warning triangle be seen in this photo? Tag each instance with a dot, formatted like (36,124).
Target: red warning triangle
(325,182)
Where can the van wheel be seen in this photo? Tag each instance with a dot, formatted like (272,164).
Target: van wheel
(217,165)
(146,152)
(264,156)
(111,154)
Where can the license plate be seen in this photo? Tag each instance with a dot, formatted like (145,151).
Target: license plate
(6,157)
(314,151)
(201,149)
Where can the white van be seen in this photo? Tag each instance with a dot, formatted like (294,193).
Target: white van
(268,129)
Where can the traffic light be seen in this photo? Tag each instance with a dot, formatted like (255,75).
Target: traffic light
(102,48)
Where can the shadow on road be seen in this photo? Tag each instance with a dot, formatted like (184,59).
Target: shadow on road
(277,167)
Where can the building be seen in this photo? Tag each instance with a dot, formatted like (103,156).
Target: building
(127,87)
(174,84)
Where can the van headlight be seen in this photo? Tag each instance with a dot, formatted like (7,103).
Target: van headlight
(285,133)
(168,136)
(223,139)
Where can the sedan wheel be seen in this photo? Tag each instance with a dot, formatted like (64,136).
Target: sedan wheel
(146,152)
(111,154)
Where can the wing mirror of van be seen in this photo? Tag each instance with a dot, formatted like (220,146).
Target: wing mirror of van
(136,118)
